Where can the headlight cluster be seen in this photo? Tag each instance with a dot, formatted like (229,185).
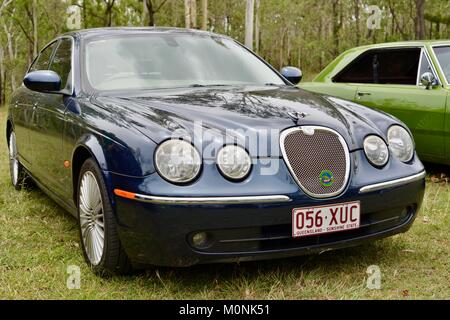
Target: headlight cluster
(376,150)
(179,162)
(234,162)
(401,145)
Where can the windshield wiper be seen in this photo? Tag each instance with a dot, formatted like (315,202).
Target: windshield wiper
(197,85)
(275,85)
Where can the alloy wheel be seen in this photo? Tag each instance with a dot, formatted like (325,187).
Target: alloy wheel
(91,218)
(13,161)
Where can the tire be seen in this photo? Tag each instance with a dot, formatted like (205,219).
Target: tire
(16,171)
(99,238)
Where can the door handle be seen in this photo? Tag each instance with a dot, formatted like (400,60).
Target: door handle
(360,94)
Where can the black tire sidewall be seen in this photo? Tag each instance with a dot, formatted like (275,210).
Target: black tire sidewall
(20,172)
(102,268)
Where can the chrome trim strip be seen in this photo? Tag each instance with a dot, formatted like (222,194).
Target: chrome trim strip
(287,132)
(392,183)
(212,200)
(420,67)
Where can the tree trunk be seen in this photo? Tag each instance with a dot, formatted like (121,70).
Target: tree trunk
(109,12)
(35,29)
(226,24)
(420,19)
(144,13)
(193,14)
(249,20)
(9,38)
(320,30)
(83,8)
(2,71)
(337,24)
(357,21)
(151,13)
(204,14)
(150,9)
(187,14)
(257,26)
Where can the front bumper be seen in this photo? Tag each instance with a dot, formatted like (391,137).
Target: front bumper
(158,230)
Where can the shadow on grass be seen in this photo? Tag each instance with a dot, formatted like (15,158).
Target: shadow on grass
(195,279)
(350,261)
(437,169)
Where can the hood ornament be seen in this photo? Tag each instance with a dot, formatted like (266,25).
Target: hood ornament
(296,116)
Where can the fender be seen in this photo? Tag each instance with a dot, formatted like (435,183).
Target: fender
(90,146)
(91,143)
(114,157)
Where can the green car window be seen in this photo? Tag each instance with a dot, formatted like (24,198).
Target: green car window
(425,66)
(443,56)
(383,66)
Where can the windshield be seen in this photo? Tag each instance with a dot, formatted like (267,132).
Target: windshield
(443,55)
(169,61)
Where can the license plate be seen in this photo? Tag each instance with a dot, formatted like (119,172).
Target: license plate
(325,219)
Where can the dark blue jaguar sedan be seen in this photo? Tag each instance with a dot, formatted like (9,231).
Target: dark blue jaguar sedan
(176,147)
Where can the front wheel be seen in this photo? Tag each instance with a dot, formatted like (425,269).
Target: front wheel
(100,242)
(16,170)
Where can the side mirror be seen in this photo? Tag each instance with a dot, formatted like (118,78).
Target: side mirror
(43,81)
(293,75)
(428,80)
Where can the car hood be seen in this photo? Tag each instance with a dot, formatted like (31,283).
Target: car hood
(158,114)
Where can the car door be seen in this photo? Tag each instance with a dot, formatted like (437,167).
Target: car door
(48,123)
(394,87)
(23,104)
(442,54)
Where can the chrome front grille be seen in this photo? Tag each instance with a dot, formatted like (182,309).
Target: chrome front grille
(318,159)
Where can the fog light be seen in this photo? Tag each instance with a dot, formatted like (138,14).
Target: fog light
(201,240)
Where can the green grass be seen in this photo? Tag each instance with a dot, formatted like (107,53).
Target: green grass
(39,240)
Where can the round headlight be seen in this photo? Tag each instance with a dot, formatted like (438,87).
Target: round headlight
(400,143)
(177,161)
(376,150)
(234,162)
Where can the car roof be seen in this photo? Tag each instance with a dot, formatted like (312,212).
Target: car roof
(412,43)
(349,55)
(111,31)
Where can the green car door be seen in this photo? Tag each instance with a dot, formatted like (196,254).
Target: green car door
(441,57)
(423,111)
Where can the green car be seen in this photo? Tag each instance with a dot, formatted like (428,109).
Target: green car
(410,80)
